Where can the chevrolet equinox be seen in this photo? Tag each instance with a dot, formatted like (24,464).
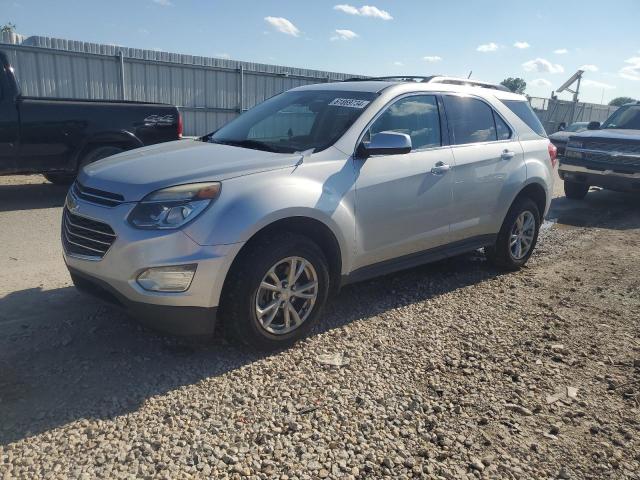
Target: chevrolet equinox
(262,221)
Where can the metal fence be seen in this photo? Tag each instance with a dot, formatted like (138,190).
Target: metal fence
(553,112)
(208,91)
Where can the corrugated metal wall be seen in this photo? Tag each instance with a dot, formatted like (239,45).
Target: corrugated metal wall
(553,112)
(208,91)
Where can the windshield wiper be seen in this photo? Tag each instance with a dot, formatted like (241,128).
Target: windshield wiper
(252,144)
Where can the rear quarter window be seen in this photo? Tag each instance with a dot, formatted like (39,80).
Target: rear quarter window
(524,112)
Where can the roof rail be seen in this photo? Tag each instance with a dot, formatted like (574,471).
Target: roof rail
(469,82)
(395,78)
(432,79)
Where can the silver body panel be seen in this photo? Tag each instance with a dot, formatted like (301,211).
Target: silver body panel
(378,209)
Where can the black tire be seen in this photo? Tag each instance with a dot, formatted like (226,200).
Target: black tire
(238,303)
(58,178)
(500,254)
(575,190)
(67,178)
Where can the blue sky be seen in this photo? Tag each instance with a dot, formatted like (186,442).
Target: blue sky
(495,39)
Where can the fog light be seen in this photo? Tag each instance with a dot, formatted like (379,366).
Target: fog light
(176,278)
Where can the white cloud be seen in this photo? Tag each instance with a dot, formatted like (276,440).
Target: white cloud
(432,58)
(164,3)
(540,82)
(589,68)
(398,64)
(283,25)
(364,11)
(521,45)
(541,65)
(487,47)
(594,84)
(224,56)
(631,71)
(561,51)
(344,35)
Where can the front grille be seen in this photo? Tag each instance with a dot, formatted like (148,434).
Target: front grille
(86,237)
(612,146)
(99,197)
(612,162)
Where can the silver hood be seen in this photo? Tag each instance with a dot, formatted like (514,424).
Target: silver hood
(139,172)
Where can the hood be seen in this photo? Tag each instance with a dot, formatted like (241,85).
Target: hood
(139,172)
(561,136)
(609,133)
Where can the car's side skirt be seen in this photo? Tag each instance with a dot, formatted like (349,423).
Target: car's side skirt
(418,258)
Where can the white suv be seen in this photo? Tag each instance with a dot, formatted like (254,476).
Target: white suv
(260,222)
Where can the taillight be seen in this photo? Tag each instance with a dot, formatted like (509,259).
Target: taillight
(553,154)
(180,127)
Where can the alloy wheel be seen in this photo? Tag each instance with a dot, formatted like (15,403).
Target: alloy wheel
(522,235)
(286,295)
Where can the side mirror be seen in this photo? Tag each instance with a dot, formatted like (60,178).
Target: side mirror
(561,128)
(593,126)
(385,143)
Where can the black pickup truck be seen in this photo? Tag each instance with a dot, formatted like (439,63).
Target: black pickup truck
(606,155)
(56,137)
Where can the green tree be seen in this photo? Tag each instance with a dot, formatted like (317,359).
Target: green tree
(619,101)
(516,85)
(8,28)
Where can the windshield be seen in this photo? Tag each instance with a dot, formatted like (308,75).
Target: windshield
(627,118)
(295,121)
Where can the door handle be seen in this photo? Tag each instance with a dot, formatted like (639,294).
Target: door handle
(440,167)
(507,154)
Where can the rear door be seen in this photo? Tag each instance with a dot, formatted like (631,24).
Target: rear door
(402,206)
(489,161)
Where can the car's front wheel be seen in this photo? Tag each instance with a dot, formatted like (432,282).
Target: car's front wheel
(275,292)
(517,237)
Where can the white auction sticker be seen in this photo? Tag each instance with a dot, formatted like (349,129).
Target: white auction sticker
(349,102)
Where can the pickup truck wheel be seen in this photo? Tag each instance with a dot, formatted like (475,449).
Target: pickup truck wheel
(575,190)
(274,295)
(517,237)
(60,178)
(63,178)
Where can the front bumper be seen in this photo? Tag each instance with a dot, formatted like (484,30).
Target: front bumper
(113,277)
(609,179)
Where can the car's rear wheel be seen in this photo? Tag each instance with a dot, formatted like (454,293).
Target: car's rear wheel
(98,153)
(517,237)
(275,293)
(575,190)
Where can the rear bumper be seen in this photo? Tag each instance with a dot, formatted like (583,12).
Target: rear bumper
(625,182)
(176,320)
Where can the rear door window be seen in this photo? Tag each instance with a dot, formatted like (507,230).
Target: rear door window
(523,110)
(470,120)
(502,129)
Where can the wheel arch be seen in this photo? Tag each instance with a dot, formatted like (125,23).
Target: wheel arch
(122,139)
(316,230)
(536,192)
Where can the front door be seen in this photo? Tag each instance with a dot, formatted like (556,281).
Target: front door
(402,206)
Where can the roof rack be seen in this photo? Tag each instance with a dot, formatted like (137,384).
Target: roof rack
(433,79)
(395,78)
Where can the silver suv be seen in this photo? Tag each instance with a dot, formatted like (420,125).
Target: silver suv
(260,222)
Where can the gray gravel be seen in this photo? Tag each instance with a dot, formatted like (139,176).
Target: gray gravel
(446,371)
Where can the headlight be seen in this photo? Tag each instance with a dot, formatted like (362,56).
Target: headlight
(574,144)
(173,207)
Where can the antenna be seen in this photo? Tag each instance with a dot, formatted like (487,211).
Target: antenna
(576,77)
(470,72)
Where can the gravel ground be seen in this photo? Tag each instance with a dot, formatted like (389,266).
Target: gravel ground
(445,371)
